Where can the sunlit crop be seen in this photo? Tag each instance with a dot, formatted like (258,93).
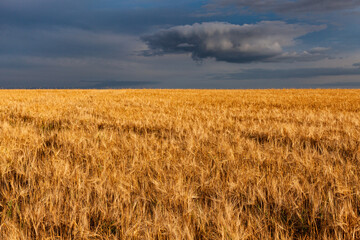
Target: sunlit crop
(180,164)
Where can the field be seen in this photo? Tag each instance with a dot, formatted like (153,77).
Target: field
(180,164)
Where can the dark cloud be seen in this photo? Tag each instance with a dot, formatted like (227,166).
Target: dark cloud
(88,15)
(118,84)
(253,74)
(313,54)
(357,64)
(64,42)
(261,42)
(338,85)
(57,44)
(318,6)
(289,6)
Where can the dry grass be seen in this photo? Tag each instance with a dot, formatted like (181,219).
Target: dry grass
(180,164)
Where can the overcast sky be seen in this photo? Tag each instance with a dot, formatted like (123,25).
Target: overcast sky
(179,44)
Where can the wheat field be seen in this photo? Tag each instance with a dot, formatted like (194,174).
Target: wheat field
(179,164)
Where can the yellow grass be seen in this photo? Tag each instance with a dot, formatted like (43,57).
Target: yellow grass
(180,164)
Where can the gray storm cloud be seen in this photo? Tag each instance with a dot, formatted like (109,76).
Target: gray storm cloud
(261,42)
(254,74)
(291,6)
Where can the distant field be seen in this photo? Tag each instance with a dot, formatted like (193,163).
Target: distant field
(180,164)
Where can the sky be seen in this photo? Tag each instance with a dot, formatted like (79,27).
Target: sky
(205,44)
